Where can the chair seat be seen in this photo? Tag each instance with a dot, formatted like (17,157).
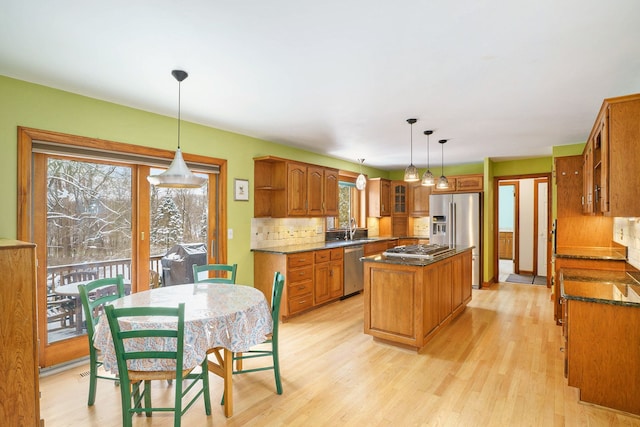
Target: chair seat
(155,375)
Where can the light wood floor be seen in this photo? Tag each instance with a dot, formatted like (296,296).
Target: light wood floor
(499,364)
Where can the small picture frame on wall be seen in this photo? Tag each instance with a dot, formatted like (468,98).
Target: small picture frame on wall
(241,190)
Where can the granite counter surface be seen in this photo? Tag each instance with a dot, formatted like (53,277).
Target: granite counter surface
(418,262)
(305,247)
(601,286)
(595,253)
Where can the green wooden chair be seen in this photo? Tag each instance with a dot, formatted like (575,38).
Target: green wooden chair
(94,295)
(136,385)
(228,269)
(271,341)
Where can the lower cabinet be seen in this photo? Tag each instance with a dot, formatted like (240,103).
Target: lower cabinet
(312,278)
(19,393)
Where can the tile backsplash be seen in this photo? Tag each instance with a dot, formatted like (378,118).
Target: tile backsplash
(271,232)
(626,231)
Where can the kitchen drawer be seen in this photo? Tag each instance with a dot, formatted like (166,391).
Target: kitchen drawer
(299,259)
(375,248)
(337,254)
(295,275)
(299,288)
(322,256)
(297,304)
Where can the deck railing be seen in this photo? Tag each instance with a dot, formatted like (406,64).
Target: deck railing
(103,269)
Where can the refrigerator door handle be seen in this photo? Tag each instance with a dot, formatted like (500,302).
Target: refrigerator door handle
(452,224)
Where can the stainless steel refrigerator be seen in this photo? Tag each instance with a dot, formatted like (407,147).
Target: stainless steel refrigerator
(455,221)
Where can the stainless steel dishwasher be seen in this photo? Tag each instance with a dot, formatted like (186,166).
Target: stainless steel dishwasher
(353,271)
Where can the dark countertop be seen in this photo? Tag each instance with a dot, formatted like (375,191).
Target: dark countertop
(595,253)
(290,249)
(414,261)
(601,286)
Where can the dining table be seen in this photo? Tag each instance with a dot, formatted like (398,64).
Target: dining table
(220,319)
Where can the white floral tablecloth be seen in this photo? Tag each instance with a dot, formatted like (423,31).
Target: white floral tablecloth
(235,317)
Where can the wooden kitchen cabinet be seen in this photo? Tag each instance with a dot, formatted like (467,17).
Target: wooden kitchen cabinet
(286,188)
(379,195)
(419,199)
(20,392)
(328,268)
(568,172)
(505,245)
(612,155)
(462,184)
(409,304)
(312,278)
(399,197)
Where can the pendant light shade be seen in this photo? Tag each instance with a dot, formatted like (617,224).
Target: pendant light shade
(427,177)
(361,181)
(443,182)
(411,173)
(178,175)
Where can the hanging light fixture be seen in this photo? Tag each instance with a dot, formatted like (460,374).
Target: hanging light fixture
(427,177)
(411,172)
(178,175)
(443,182)
(361,181)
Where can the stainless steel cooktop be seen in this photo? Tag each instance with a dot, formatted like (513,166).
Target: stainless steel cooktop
(418,251)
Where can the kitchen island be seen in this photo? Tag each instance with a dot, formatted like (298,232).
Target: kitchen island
(409,299)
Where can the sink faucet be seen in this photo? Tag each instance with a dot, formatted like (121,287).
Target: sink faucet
(352,228)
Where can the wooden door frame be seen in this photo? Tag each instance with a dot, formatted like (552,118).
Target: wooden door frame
(66,349)
(496,186)
(516,222)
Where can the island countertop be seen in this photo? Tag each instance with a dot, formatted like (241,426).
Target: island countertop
(601,286)
(399,260)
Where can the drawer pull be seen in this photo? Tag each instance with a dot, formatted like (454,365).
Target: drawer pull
(301,287)
(302,301)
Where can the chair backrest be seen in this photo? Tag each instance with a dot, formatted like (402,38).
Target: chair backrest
(125,353)
(94,295)
(276,298)
(229,269)
(154,279)
(79,276)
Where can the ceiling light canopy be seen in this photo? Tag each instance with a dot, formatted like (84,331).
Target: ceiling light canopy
(361,181)
(443,182)
(427,177)
(178,175)
(411,172)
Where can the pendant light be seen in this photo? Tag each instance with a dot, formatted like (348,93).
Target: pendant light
(361,181)
(178,175)
(443,182)
(427,177)
(411,172)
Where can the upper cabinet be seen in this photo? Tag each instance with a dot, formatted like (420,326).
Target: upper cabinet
(419,199)
(462,184)
(611,158)
(379,195)
(399,195)
(286,188)
(569,182)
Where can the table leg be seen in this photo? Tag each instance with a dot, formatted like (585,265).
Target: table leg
(223,367)
(228,383)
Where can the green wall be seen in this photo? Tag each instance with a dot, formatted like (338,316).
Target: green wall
(41,107)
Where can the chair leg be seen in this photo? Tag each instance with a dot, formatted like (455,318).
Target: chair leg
(205,385)
(93,380)
(276,367)
(147,397)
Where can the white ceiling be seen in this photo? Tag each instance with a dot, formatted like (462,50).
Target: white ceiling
(499,78)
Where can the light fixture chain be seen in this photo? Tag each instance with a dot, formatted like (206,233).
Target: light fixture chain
(179,103)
